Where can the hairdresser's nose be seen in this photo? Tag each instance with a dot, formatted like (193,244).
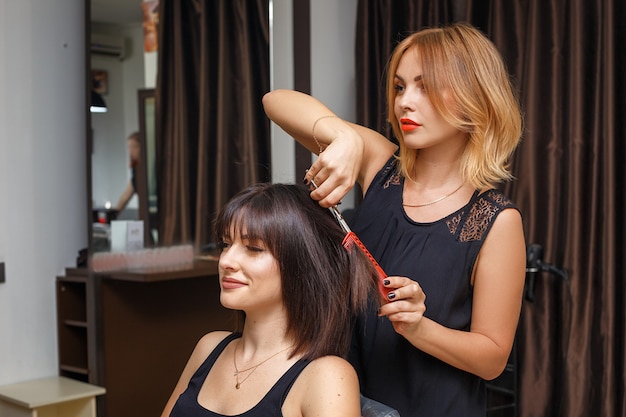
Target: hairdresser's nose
(406,101)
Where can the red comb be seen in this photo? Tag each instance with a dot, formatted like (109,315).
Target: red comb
(352,239)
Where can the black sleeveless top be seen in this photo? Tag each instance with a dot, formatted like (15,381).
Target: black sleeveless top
(440,256)
(269,406)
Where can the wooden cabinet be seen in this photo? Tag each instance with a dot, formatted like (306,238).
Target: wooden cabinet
(132,332)
(72,324)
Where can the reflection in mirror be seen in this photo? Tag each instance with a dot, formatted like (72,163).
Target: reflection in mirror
(216,174)
(118,68)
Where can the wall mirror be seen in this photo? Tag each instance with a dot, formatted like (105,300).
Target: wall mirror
(123,73)
(208,168)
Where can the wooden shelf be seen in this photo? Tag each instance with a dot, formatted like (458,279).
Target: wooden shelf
(72,324)
(133,331)
(74,369)
(75,323)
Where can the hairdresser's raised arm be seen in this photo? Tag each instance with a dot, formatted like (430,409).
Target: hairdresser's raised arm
(347,152)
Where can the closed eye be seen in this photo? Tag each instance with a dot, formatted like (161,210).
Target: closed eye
(254,245)
(222,245)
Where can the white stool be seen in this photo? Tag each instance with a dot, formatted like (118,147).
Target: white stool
(49,397)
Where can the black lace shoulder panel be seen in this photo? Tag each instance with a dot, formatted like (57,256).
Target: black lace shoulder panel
(474,223)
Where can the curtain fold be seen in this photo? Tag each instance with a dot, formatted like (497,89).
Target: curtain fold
(567,59)
(212,132)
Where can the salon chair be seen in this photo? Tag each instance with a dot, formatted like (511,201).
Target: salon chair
(371,408)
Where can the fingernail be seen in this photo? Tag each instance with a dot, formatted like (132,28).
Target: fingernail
(391,295)
(386,282)
(305,181)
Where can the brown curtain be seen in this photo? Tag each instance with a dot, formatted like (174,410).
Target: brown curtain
(568,60)
(212,132)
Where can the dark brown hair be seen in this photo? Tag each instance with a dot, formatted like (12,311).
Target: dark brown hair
(324,285)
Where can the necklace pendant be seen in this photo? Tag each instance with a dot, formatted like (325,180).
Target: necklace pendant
(237,385)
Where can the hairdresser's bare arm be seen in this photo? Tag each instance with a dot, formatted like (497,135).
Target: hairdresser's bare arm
(351,153)
(127,194)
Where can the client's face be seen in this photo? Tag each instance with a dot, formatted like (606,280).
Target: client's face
(249,275)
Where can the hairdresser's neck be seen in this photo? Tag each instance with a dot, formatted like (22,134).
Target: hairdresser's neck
(438,165)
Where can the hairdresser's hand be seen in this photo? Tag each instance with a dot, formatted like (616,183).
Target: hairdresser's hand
(406,305)
(336,169)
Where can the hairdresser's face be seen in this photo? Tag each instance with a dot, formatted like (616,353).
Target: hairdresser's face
(249,276)
(422,126)
(133,149)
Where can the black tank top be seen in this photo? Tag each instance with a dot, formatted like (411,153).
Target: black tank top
(269,406)
(440,256)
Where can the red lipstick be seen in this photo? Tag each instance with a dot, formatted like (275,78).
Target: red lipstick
(408,124)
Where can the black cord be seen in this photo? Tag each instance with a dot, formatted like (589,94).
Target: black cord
(535,265)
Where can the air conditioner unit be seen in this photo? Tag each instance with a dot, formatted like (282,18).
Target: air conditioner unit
(108,45)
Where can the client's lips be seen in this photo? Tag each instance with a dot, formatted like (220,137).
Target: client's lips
(231,283)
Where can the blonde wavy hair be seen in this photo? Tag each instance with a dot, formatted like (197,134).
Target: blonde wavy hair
(461,62)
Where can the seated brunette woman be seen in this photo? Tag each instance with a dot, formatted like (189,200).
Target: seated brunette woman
(283,267)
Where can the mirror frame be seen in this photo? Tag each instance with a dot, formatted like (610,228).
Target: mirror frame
(144,178)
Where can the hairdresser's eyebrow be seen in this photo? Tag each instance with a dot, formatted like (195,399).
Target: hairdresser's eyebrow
(417,78)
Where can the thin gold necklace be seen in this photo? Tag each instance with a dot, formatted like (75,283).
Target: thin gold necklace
(434,201)
(252,368)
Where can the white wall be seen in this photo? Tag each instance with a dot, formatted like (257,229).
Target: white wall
(281,76)
(43,199)
(333,30)
(333,73)
(333,34)
(43,221)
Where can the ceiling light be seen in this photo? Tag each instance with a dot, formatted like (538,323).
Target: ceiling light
(97,103)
